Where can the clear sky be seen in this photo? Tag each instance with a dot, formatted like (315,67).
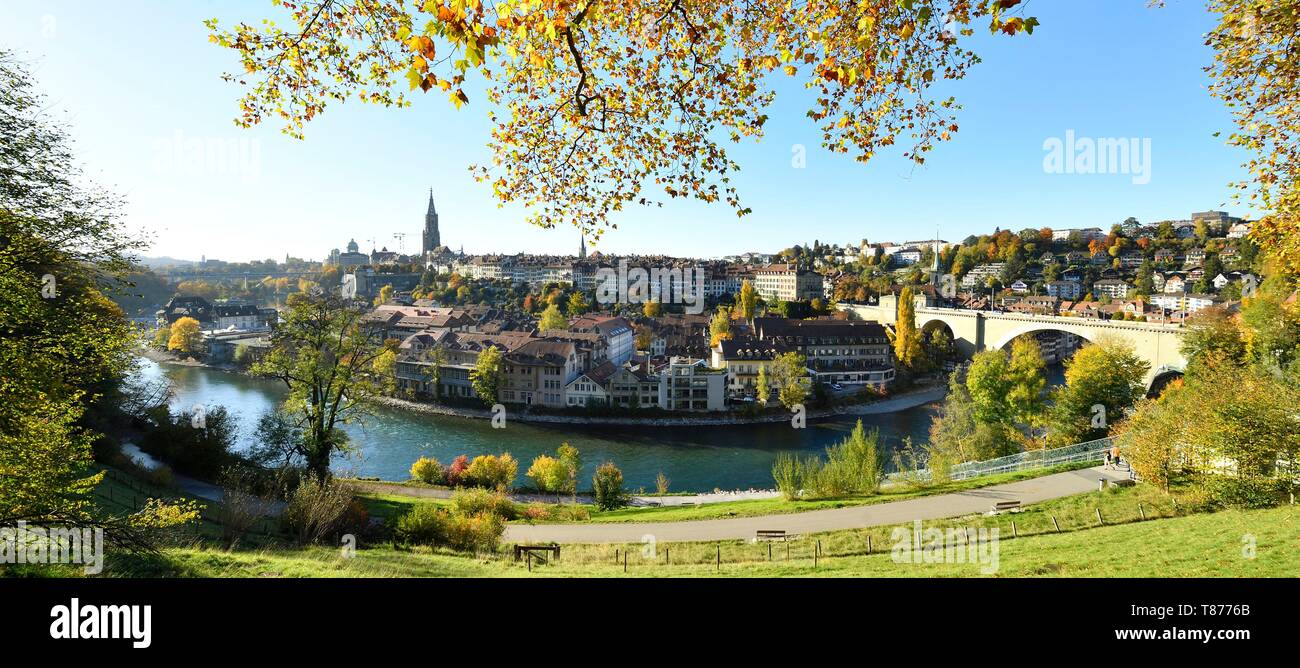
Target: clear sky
(135,81)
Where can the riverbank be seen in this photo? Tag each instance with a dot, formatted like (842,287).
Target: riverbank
(388,438)
(901,402)
(165,357)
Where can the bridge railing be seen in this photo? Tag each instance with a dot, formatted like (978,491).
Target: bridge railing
(1088,451)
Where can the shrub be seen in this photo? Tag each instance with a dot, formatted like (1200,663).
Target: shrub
(479,533)
(492,471)
(661,484)
(475,501)
(161,476)
(316,509)
(853,466)
(456,472)
(1243,492)
(428,470)
(536,512)
(607,484)
(549,474)
(424,524)
(540,512)
(241,504)
(427,524)
(355,519)
(788,473)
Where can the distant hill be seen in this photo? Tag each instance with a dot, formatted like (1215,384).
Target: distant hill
(164,261)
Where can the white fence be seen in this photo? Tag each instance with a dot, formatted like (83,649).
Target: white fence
(1088,451)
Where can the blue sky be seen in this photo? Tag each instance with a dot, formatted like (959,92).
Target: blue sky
(135,80)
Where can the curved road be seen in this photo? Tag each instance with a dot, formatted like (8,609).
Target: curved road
(897,512)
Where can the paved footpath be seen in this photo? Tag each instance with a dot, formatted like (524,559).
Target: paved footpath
(896,512)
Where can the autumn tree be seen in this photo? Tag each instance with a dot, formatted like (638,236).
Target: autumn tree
(957,435)
(652,308)
(185,337)
(789,372)
(552,319)
(326,357)
(762,388)
(485,377)
(1242,446)
(1027,374)
(720,326)
(1102,381)
(64,345)
(1212,332)
(1256,72)
(988,381)
(577,304)
(747,300)
(644,337)
(162,336)
(591,102)
(907,339)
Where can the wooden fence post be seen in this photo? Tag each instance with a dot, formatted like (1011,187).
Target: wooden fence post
(868,543)
(1099,519)
(624,561)
(719,557)
(1142,512)
(1055,523)
(1013,531)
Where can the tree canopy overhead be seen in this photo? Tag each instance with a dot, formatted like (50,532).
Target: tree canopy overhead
(598,104)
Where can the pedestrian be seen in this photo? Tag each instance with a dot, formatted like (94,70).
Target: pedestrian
(1107,458)
(1114,455)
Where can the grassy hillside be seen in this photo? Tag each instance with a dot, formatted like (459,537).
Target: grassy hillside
(1199,545)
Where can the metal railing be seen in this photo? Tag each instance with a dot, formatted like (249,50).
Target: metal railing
(1088,451)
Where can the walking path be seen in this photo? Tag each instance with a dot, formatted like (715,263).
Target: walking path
(898,512)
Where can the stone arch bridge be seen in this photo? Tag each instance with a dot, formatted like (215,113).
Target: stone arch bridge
(973,331)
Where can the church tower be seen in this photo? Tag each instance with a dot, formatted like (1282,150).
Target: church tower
(430,238)
(582,247)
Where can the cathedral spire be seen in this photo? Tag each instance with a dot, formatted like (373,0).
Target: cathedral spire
(430,239)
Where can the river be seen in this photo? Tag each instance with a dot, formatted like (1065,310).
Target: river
(695,459)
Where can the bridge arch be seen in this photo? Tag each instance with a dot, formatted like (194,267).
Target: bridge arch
(1005,339)
(964,329)
(1161,378)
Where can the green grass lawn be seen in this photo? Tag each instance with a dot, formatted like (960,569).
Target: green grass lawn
(1200,545)
(1061,537)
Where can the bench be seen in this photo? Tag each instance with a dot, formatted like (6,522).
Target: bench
(1003,506)
(521,549)
(770,534)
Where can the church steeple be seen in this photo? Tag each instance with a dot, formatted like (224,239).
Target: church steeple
(582,246)
(430,239)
